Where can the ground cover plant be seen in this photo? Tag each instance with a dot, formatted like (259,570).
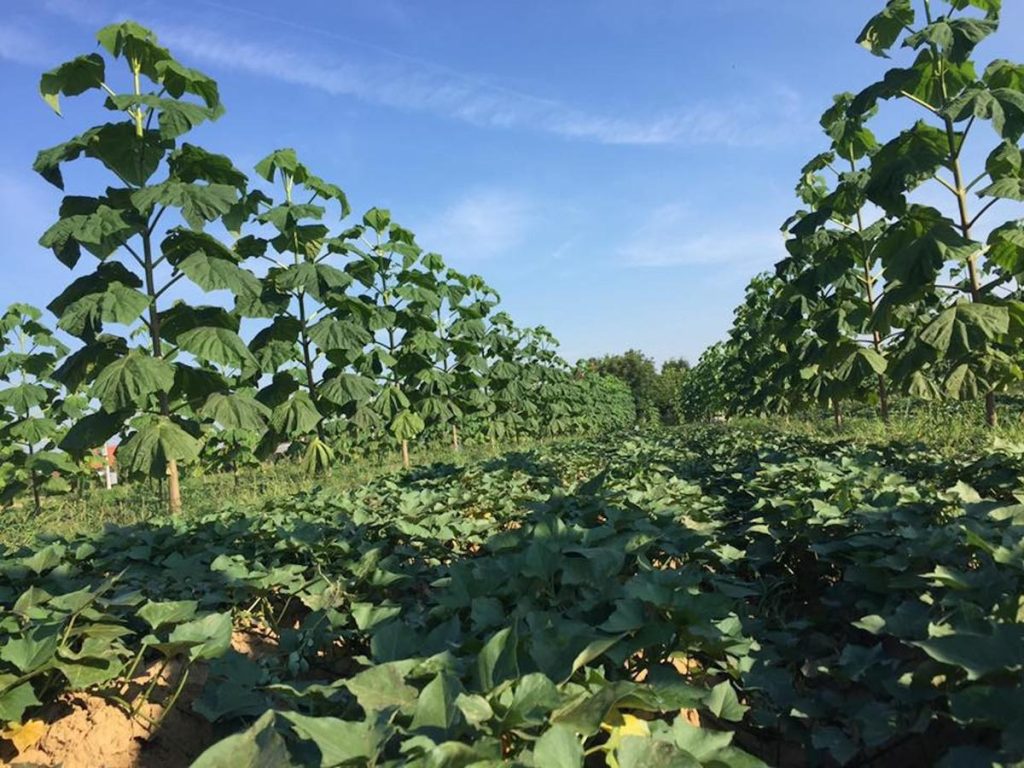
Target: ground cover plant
(719,596)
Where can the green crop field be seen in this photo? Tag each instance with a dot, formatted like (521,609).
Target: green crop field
(364,517)
(713,596)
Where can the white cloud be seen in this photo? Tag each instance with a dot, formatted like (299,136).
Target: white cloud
(479,226)
(672,235)
(396,81)
(378,75)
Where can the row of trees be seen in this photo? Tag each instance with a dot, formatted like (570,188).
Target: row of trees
(883,291)
(357,337)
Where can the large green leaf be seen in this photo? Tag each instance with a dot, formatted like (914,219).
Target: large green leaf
(332,334)
(198,203)
(213,274)
(92,431)
(149,449)
(345,388)
(72,78)
(914,250)
(905,163)
(1006,247)
(885,28)
(15,700)
(218,345)
(157,614)
(23,397)
(340,742)
(435,707)
(979,654)
(179,80)
(180,318)
(259,746)
(101,230)
(558,747)
(296,416)
(33,650)
(130,381)
(117,304)
(965,328)
(236,411)
(406,425)
(132,158)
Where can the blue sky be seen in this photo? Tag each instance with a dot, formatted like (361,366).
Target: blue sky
(616,170)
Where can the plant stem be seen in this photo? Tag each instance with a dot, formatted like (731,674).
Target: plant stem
(991,417)
(173,483)
(869,288)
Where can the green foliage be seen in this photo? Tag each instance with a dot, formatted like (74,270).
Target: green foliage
(880,292)
(655,393)
(363,338)
(135,229)
(34,408)
(822,599)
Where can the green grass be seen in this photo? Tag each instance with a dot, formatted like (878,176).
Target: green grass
(947,428)
(205,492)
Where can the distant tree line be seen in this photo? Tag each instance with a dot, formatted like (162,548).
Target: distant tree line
(656,392)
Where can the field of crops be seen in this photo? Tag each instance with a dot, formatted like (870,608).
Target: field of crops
(715,596)
(578,564)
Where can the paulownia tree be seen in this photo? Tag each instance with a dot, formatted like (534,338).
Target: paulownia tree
(32,407)
(399,299)
(313,335)
(766,359)
(970,333)
(147,232)
(833,266)
(703,393)
(504,389)
(454,386)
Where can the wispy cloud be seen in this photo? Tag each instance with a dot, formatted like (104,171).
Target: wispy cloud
(672,235)
(479,226)
(395,81)
(378,75)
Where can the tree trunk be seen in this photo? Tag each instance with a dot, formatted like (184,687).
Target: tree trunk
(405,454)
(883,398)
(173,487)
(34,481)
(174,490)
(35,493)
(837,413)
(455,438)
(991,417)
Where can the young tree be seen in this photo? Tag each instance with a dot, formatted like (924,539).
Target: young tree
(400,302)
(32,410)
(833,268)
(973,331)
(667,389)
(455,386)
(148,235)
(311,338)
